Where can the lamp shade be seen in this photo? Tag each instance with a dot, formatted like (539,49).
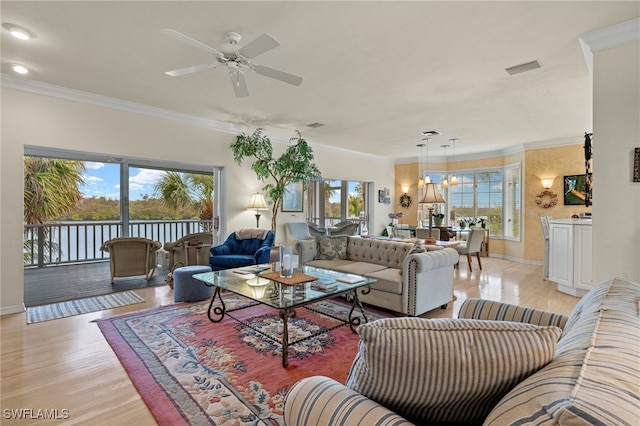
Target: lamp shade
(257,202)
(431,194)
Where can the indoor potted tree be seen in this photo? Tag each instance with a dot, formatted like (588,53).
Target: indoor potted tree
(294,165)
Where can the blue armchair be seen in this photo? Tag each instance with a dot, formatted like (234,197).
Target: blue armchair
(246,247)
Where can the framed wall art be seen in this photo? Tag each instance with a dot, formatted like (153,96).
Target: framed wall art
(292,198)
(574,190)
(383,196)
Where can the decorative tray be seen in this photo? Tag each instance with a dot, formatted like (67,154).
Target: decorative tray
(297,278)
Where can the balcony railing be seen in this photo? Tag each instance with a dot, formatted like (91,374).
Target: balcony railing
(77,242)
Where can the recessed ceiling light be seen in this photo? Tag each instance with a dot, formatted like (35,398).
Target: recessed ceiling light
(20,69)
(19,32)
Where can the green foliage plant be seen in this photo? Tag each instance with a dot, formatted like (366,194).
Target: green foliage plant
(187,190)
(51,188)
(294,165)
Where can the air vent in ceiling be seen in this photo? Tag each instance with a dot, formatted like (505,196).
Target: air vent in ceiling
(315,125)
(518,69)
(431,133)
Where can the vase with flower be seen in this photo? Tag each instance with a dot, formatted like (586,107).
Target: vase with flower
(438,218)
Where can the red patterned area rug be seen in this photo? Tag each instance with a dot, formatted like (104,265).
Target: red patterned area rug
(192,371)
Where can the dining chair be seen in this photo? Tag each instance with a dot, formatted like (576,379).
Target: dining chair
(473,245)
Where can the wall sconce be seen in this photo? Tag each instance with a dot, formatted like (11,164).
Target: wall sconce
(547,182)
(258,203)
(405,188)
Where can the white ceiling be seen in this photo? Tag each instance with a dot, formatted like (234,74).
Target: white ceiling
(376,74)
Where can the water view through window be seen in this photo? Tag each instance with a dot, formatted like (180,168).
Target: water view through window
(159,204)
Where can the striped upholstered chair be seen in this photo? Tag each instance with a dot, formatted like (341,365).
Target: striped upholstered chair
(496,365)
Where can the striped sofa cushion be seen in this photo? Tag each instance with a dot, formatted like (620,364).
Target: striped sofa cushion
(446,370)
(594,378)
(484,309)
(320,400)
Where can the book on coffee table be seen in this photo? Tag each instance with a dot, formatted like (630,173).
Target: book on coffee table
(350,279)
(324,284)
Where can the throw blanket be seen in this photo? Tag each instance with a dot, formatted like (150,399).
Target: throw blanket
(250,233)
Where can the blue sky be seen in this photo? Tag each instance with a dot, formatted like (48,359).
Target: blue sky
(103,180)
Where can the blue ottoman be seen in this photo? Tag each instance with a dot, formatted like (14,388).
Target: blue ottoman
(188,289)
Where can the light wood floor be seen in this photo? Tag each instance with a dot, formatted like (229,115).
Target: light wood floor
(67,365)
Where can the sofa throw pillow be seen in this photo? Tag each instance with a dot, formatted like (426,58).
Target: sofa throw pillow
(446,370)
(416,248)
(330,248)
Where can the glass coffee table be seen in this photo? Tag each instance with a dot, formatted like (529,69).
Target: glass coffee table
(283,297)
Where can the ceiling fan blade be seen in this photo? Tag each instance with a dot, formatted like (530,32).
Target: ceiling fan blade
(238,83)
(192,69)
(191,42)
(278,75)
(262,44)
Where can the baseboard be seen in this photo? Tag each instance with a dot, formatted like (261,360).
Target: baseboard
(6,310)
(516,259)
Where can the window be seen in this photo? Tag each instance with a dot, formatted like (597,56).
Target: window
(115,199)
(512,201)
(331,201)
(489,195)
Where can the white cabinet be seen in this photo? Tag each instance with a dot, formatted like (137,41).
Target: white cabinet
(570,255)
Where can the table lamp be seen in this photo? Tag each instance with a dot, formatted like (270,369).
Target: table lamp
(257,202)
(431,196)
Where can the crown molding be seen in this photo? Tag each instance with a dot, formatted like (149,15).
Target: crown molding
(553,143)
(79,96)
(606,38)
(73,95)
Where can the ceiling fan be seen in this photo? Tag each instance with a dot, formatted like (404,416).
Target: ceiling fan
(235,58)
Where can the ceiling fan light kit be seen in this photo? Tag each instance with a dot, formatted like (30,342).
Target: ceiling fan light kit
(235,57)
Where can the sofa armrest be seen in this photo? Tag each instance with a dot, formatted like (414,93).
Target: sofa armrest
(222,249)
(428,280)
(322,401)
(498,311)
(263,255)
(307,250)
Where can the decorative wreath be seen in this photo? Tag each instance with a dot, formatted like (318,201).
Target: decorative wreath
(405,201)
(553,199)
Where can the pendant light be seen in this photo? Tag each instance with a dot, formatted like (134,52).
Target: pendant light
(420,178)
(427,179)
(454,180)
(445,182)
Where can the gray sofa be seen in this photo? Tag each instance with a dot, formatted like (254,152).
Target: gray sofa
(496,365)
(406,282)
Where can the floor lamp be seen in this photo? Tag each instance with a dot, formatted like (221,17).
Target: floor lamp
(257,202)
(431,196)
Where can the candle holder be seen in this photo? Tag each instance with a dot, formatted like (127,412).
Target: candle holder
(286,261)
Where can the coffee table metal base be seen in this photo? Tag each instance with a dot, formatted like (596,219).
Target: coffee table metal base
(216,314)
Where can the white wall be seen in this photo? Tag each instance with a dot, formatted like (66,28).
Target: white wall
(616,128)
(44,121)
